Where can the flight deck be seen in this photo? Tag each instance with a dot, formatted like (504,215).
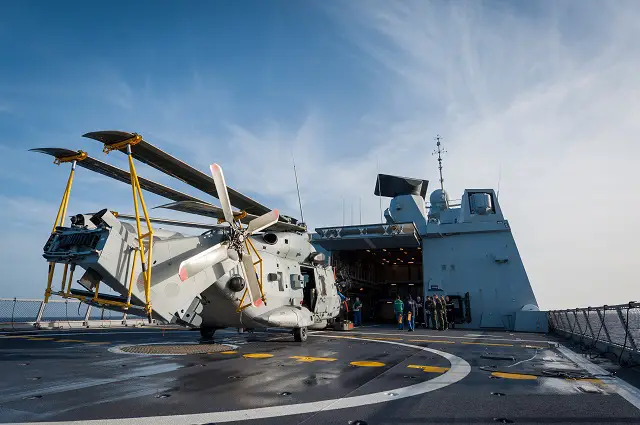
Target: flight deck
(373,375)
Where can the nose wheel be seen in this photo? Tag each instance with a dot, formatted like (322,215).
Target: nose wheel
(206,333)
(300,334)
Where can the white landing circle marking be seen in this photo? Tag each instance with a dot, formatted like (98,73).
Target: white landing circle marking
(458,371)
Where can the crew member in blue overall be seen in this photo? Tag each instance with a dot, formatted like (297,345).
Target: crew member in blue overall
(411,313)
(357,312)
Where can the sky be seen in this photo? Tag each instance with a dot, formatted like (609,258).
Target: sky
(537,99)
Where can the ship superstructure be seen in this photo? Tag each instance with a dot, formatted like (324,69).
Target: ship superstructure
(464,250)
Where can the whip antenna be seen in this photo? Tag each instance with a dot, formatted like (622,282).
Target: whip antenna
(295,173)
(380,188)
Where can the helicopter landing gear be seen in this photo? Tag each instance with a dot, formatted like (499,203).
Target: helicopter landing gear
(206,333)
(300,334)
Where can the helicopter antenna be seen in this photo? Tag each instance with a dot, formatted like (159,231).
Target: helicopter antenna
(439,151)
(295,173)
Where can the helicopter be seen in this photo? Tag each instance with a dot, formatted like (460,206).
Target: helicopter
(253,268)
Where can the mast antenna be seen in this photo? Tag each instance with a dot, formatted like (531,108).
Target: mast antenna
(380,188)
(295,173)
(439,151)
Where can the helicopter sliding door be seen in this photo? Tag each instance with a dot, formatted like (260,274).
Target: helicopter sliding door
(310,291)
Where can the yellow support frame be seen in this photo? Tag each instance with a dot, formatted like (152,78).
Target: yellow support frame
(138,202)
(250,246)
(237,216)
(123,144)
(146,263)
(62,212)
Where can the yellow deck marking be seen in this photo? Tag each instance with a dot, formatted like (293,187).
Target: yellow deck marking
(432,340)
(367,364)
(313,359)
(226,352)
(97,343)
(38,338)
(435,369)
(70,340)
(382,339)
(486,343)
(257,355)
(514,376)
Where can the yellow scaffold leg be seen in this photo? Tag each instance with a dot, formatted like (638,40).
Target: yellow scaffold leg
(62,212)
(145,262)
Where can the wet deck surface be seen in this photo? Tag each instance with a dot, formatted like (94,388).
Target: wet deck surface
(377,375)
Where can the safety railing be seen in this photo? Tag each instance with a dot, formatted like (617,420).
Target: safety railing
(17,313)
(607,329)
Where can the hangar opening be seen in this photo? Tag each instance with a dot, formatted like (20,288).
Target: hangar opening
(378,276)
(375,263)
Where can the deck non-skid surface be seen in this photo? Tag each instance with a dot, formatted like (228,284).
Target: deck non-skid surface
(375,375)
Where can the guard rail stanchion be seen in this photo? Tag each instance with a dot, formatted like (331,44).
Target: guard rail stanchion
(86,316)
(40,313)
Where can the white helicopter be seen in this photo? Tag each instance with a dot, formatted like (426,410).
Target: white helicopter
(264,274)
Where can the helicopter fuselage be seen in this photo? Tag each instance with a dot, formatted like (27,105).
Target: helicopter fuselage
(298,289)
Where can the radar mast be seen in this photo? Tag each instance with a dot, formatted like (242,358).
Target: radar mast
(439,151)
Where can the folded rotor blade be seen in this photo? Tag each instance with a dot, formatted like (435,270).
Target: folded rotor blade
(207,210)
(116,173)
(162,161)
(252,279)
(204,209)
(262,222)
(169,222)
(221,188)
(207,258)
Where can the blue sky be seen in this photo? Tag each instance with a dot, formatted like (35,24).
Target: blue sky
(544,94)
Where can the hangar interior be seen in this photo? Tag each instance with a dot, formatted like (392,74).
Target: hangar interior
(377,276)
(380,261)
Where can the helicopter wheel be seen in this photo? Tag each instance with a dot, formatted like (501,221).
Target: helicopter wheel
(206,332)
(300,334)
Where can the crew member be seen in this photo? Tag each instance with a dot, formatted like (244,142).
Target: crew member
(438,312)
(429,313)
(357,312)
(443,313)
(398,308)
(411,313)
(419,312)
(344,307)
(450,313)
